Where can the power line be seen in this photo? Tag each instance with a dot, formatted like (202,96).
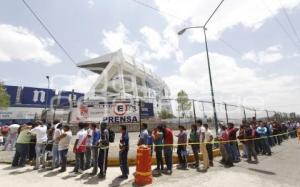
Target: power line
(282,26)
(289,21)
(49,32)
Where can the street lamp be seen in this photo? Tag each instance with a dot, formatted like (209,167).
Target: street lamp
(47,93)
(208,61)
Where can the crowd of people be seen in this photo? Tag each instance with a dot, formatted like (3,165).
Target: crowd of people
(37,140)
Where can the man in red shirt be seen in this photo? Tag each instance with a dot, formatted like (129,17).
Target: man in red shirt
(168,148)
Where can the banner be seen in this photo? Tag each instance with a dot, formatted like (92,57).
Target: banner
(36,96)
(12,92)
(65,97)
(116,113)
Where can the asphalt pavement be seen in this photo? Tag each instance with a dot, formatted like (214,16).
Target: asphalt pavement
(279,170)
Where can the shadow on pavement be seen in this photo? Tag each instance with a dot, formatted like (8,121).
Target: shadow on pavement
(262,171)
(52,174)
(20,172)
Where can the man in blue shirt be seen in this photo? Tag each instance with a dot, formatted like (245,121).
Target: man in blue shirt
(123,154)
(262,132)
(95,139)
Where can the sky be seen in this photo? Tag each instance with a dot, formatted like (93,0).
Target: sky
(254,45)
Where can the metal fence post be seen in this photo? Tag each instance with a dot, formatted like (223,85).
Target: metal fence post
(227,120)
(195,117)
(245,116)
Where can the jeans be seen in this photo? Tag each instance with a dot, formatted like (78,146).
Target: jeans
(123,162)
(234,151)
(182,157)
(79,164)
(63,156)
(159,159)
(11,139)
(95,159)
(88,157)
(168,152)
(20,155)
(102,160)
(251,150)
(195,149)
(209,152)
(55,156)
(40,154)
(265,145)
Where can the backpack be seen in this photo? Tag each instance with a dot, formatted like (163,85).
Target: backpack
(111,135)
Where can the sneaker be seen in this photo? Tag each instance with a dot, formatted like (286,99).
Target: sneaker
(80,171)
(169,172)
(61,170)
(123,177)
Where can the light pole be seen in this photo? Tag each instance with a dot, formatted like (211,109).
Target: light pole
(208,61)
(47,93)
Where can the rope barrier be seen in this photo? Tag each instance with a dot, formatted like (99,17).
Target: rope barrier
(176,145)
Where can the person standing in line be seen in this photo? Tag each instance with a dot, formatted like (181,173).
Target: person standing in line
(55,140)
(208,141)
(234,149)
(157,136)
(12,136)
(194,140)
(80,148)
(95,139)
(41,140)
(203,149)
(103,152)
(123,154)
(64,141)
(22,147)
(168,148)
(181,148)
(143,137)
(227,159)
(249,142)
(262,133)
(88,153)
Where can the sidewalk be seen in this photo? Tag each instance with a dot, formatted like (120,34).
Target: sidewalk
(278,170)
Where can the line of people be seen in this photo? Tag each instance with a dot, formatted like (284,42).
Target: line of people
(91,144)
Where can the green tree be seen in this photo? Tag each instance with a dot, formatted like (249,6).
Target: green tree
(4,97)
(184,104)
(165,114)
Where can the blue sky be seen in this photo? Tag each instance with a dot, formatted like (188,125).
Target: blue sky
(262,70)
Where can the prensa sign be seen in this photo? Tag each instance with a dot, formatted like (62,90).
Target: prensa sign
(117,112)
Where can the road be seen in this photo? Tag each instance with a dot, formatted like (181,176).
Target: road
(279,170)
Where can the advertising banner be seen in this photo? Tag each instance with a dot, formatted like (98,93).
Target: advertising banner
(117,112)
(36,96)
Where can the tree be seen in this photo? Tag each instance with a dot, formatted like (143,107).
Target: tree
(165,114)
(184,104)
(4,97)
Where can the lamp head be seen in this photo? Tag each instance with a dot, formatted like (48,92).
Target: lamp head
(181,32)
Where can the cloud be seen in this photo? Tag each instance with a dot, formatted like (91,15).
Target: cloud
(232,83)
(153,46)
(91,3)
(268,56)
(17,43)
(90,54)
(81,82)
(249,13)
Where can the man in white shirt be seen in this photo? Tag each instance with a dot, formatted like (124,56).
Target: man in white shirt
(208,141)
(41,139)
(63,146)
(203,149)
(12,136)
(88,153)
(80,148)
(55,152)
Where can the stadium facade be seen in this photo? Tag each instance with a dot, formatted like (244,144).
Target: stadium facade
(120,78)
